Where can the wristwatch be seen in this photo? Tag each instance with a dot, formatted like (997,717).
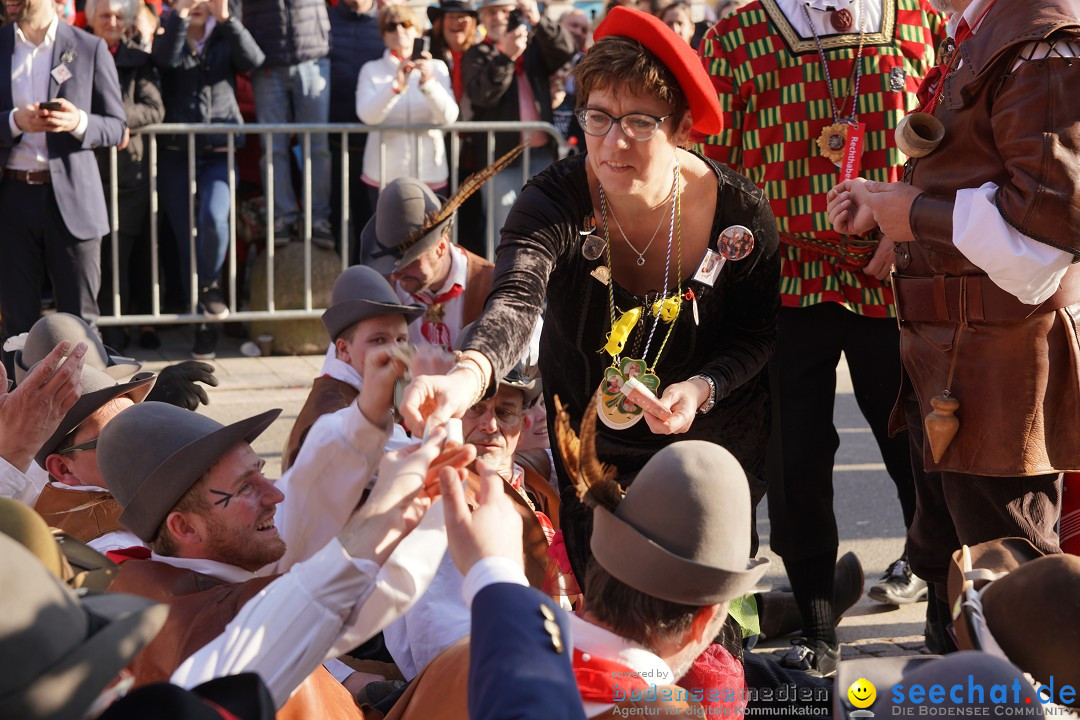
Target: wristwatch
(710,402)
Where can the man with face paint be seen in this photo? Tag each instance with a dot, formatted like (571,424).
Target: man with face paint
(195,492)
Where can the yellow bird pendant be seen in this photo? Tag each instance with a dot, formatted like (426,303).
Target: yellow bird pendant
(620,331)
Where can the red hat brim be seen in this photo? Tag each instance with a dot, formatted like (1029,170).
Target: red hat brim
(676,55)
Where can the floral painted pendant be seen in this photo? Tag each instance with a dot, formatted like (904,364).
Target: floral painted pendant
(614,409)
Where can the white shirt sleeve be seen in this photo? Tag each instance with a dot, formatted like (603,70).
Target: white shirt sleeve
(488,571)
(80,130)
(340,455)
(284,632)
(1019,265)
(24,487)
(16,131)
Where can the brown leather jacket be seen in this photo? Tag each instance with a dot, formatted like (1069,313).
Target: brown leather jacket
(84,515)
(1015,123)
(200,609)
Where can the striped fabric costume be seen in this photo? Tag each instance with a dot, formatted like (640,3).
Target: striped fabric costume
(776,102)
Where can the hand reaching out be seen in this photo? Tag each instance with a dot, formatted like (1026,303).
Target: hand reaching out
(30,413)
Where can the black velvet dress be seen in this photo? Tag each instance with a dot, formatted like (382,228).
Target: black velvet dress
(539,259)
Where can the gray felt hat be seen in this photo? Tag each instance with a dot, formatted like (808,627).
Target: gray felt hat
(403,208)
(97,389)
(360,293)
(151,454)
(51,330)
(682,532)
(57,651)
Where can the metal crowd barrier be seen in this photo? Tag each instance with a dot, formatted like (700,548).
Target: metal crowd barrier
(305,130)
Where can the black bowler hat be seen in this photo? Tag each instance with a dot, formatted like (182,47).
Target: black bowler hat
(434,12)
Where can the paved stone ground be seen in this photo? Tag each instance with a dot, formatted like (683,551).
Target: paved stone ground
(251,385)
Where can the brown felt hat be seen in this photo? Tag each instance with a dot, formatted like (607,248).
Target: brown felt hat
(152,453)
(51,330)
(403,207)
(97,390)
(57,651)
(682,533)
(360,293)
(1030,612)
(989,559)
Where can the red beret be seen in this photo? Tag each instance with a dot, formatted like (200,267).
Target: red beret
(677,56)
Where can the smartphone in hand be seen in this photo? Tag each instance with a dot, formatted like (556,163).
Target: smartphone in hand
(51,105)
(420,46)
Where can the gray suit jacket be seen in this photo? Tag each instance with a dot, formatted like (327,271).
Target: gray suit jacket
(93,88)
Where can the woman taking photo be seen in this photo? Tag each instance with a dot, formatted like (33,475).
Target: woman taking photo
(400,89)
(609,237)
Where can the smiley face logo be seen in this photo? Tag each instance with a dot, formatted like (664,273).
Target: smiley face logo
(862,693)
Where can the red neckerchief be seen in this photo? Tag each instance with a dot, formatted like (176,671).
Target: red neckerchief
(225,714)
(598,678)
(928,92)
(121,556)
(433,328)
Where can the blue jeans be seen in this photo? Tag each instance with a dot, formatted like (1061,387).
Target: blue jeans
(296,94)
(212,204)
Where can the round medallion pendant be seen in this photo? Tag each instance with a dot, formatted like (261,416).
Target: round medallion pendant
(841,20)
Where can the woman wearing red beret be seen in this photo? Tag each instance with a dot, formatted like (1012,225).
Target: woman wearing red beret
(615,242)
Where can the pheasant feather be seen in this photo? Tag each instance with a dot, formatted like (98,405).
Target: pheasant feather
(472,183)
(594,481)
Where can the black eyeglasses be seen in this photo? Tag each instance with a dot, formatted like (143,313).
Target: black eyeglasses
(395,24)
(88,445)
(637,126)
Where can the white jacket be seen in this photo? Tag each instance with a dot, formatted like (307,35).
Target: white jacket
(431,103)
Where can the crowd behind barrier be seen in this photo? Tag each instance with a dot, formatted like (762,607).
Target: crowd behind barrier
(242,239)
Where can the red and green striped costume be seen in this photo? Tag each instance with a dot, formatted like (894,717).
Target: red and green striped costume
(776,102)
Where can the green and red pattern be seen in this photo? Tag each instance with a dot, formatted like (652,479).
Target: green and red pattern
(776,102)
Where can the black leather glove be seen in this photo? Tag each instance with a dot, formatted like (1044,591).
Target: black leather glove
(176,384)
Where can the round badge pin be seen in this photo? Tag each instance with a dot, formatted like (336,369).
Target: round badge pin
(735,242)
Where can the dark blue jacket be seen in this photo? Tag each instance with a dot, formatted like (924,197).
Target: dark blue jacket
(201,88)
(93,88)
(288,31)
(519,657)
(354,40)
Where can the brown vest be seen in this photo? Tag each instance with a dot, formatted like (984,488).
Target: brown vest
(84,515)
(1017,374)
(440,692)
(328,395)
(200,609)
(478,275)
(544,496)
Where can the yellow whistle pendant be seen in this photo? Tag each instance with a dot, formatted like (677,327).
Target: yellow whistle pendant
(620,331)
(667,309)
